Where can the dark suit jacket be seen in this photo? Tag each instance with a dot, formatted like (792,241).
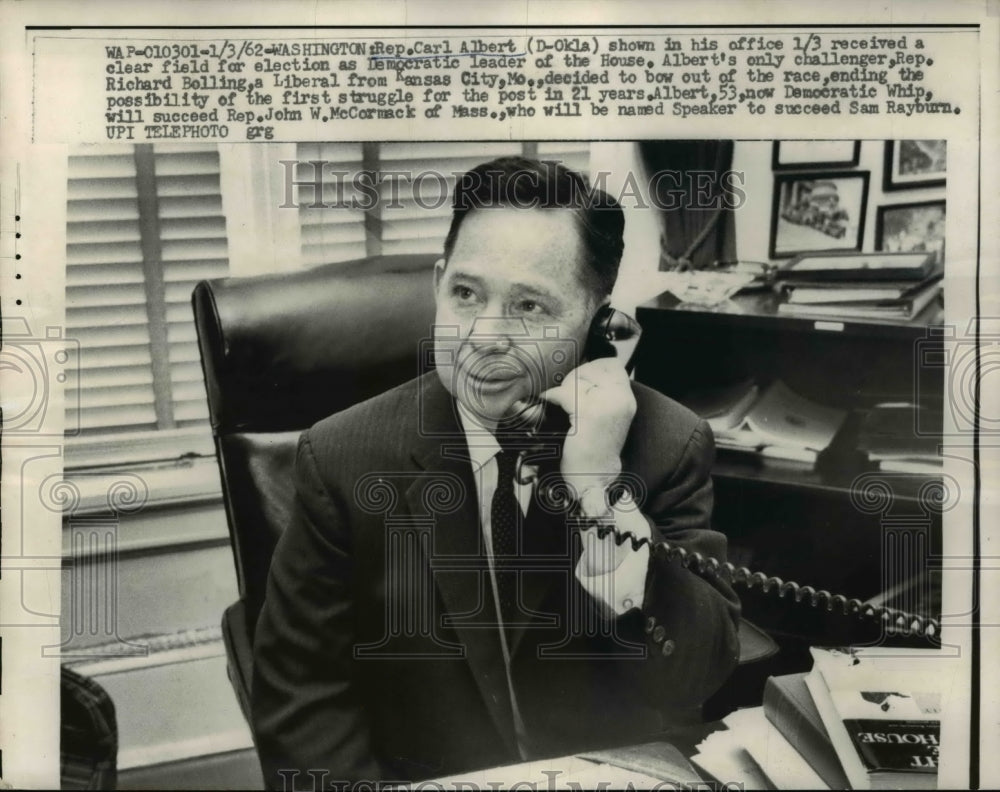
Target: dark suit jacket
(375,657)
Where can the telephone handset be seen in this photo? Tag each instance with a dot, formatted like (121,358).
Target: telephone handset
(612,333)
(615,334)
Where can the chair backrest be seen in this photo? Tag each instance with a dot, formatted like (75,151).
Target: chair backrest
(280,352)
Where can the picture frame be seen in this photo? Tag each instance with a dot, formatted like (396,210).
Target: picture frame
(912,227)
(914,164)
(789,155)
(818,211)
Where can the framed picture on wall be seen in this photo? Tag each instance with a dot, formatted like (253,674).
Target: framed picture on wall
(914,163)
(807,154)
(818,211)
(911,227)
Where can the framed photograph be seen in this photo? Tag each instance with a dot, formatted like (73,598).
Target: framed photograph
(914,163)
(912,227)
(818,212)
(801,154)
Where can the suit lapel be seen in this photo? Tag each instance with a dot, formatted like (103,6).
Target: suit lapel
(457,556)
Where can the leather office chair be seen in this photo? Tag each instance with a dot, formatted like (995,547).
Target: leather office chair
(281,352)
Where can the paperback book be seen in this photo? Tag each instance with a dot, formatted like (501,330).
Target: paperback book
(882,712)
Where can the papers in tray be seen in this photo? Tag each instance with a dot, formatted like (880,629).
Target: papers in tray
(778,423)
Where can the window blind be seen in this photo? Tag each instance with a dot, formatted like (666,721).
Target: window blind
(337,231)
(414,187)
(194,248)
(144,224)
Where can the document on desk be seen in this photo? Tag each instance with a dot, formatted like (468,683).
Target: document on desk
(606,776)
(721,756)
(567,772)
(782,764)
(656,759)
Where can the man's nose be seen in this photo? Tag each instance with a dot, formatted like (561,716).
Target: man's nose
(497,330)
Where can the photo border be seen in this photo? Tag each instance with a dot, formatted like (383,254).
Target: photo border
(881,211)
(889,185)
(777,165)
(782,178)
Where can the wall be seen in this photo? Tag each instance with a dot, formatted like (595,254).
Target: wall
(166,587)
(639,278)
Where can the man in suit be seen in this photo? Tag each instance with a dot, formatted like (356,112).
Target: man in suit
(434,607)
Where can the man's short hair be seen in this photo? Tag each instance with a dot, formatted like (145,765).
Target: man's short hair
(520,182)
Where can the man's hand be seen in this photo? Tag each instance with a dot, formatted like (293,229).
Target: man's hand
(601,406)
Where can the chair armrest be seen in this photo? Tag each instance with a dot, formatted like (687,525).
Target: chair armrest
(239,654)
(755,644)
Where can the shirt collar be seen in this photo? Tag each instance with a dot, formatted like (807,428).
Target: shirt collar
(482,443)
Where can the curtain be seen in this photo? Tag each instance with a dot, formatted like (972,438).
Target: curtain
(691,190)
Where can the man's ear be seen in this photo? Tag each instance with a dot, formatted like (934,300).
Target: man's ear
(438,273)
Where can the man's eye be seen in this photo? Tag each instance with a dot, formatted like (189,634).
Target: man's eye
(530,307)
(463,293)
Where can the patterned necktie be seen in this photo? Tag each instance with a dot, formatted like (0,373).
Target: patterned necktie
(505,516)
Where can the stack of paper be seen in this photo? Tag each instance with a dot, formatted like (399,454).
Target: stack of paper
(721,756)
(783,425)
(903,438)
(781,763)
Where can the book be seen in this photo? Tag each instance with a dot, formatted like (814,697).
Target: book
(905,307)
(806,292)
(789,454)
(908,454)
(902,438)
(790,708)
(880,266)
(788,425)
(882,711)
(781,763)
(926,466)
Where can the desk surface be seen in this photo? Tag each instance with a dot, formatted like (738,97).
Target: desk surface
(643,766)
